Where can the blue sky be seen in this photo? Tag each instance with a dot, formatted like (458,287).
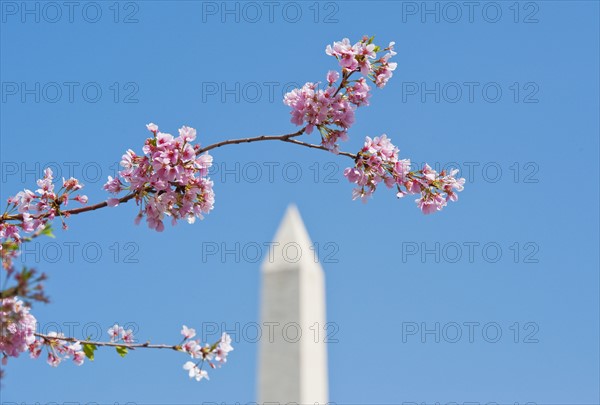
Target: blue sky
(526,138)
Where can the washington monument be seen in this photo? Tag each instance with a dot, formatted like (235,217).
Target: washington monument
(293,361)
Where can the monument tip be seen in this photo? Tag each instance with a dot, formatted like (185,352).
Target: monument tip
(291,245)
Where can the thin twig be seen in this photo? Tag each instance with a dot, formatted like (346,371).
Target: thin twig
(312,145)
(73,211)
(132,346)
(249,140)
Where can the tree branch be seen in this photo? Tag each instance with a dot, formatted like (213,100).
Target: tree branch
(73,211)
(132,346)
(284,138)
(249,140)
(311,145)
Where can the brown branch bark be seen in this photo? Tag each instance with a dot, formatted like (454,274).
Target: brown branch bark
(285,138)
(132,346)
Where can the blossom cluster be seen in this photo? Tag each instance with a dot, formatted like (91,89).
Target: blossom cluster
(34,210)
(436,188)
(378,162)
(118,333)
(16,329)
(58,349)
(27,216)
(362,56)
(216,352)
(331,110)
(170,178)
(322,109)
(18,335)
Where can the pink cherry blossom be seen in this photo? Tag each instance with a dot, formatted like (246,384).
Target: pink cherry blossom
(378,162)
(194,349)
(359,93)
(75,350)
(17,327)
(170,179)
(71,184)
(37,209)
(78,358)
(127,336)
(223,348)
(205,354)
(188,333)
(187,134)
(83,199)
(383,72)
(115,332)
(345,53)
(322,109)
(194,371)
(437,189)
(332,77)
(113,185)
(362,57)
(332,110)
(53,359)
(58,349)
(35,349)
(330,139)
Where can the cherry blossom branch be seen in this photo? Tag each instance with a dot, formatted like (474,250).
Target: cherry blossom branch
(284,138)
(171,179)
(74,211)
(60,347)
(132,346)
(250,140)
(311,145)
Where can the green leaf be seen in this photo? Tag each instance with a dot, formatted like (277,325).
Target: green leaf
(48,231)
(89,350)
(122,350)
(377,48)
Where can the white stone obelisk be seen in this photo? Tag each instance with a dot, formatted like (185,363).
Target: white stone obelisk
(293,357)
